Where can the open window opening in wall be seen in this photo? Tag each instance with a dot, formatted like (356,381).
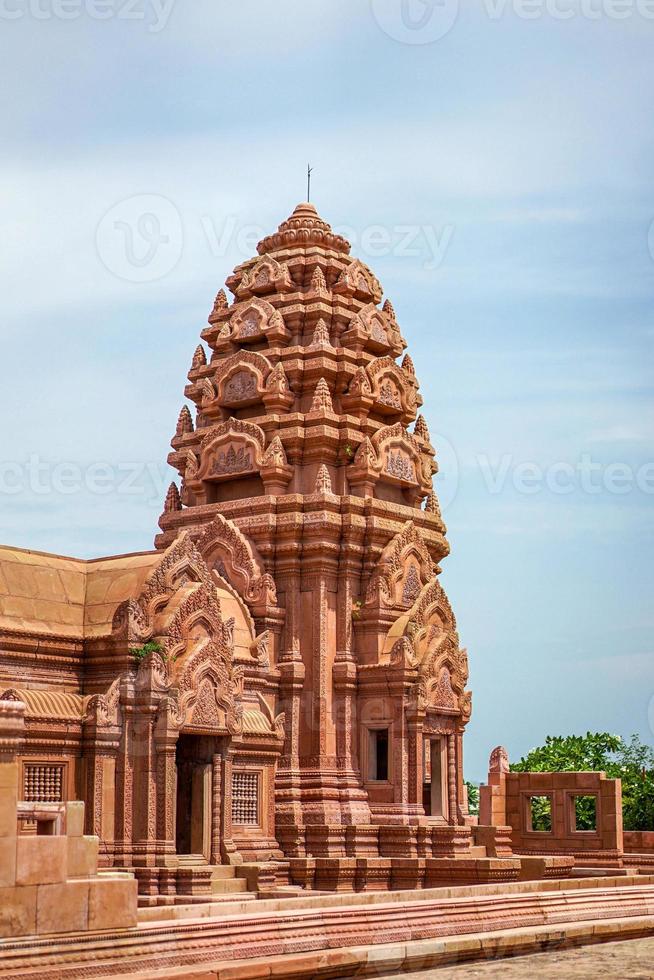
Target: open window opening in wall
(378,755)
(539,814)
(585,813)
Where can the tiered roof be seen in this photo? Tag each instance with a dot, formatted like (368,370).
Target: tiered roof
(301,388)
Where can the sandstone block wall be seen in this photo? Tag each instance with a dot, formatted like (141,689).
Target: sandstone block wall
(49,880)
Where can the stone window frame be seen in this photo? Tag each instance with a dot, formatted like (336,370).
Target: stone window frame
(527,797)
(258,773)
(571,811)
(377,726)
(49,762)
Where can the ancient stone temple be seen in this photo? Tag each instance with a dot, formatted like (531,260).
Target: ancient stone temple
(279,684)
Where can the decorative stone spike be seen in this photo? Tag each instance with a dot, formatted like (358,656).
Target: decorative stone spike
(192,466)
(407,365)
(389,309)
(184,421)
(318,281)
(322,399)
(365,454)
(420,429)
(199,357)
(274,455)
(220,302)
(432,505)
(207,392)
(321,335)
(323,480)
(360,383)
(277,380)
(173,501)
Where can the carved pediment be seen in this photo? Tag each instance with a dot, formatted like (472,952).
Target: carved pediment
(180,565)
(404,567)
(393,391)
(267,275)
(241,379)
(230,449)
(401,459)
(223,542)
(253,320)
(429,628)
(373,329)
(358,280)
(438,692)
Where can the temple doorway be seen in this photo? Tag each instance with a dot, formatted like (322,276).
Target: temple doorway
(194,757)
(434,791)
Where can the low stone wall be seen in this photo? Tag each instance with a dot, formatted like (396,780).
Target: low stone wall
(49,880)
(639,841)
(506,800)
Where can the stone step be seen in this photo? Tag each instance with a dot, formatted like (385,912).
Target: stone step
(192,860)
(223,871)
(477,851)
(225,886)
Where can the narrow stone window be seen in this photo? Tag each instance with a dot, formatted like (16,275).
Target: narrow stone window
(43,783)
(585,813)
(378,755)
(539,814)
(245,798)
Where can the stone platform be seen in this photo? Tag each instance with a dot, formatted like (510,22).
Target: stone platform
(345,935)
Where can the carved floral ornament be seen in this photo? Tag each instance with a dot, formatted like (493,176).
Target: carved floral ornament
(103,710)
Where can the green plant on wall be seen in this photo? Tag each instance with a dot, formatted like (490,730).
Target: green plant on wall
(140,653)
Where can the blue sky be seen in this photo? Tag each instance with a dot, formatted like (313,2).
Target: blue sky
(498,179)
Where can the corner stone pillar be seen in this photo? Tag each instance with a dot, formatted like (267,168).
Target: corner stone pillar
(12,737)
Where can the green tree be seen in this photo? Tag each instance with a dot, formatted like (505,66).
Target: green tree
(632,762)
(473,798)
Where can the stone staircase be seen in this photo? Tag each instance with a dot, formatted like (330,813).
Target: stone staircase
(225,882)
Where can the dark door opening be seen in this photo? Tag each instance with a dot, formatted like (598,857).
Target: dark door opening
(194,757)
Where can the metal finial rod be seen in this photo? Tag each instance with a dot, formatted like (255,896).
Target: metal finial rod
(309,172)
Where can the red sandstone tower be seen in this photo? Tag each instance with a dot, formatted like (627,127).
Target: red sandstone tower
(305,489)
